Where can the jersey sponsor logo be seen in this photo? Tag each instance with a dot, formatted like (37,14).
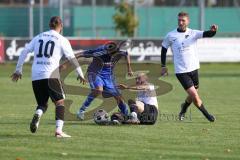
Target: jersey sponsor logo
(139,50)
(2,57)
(48,35)
(43,63)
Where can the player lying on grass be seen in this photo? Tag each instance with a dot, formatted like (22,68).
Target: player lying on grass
(101,77)
(48,47)
(144,109)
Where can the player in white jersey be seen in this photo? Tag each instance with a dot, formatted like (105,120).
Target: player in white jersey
(144,109)
(186,63)
(48,47)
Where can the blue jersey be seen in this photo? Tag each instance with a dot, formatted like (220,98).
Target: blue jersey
(103,62)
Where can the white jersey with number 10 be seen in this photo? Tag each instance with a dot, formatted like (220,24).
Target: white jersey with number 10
(48,48)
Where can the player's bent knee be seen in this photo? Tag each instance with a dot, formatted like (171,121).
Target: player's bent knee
(197,101)
(140,106)
(59,102)
(118,99)
(194,96)
(96,92)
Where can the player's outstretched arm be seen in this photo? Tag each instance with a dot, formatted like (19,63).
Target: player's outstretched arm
(134,87)
(164,70)
(18,72)
(68,52)
(85,53)
(80,75)
(79,53)
(130,72)
(73,61)
(122,86)
(96,52)
(211,32)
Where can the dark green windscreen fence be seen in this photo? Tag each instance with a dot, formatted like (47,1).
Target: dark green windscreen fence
(155,22)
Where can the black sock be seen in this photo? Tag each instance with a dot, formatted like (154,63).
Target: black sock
(60,112)
(185,106)
(133,108)
(204,111)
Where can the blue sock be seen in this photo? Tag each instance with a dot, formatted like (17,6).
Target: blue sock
(123,107)
(87,103)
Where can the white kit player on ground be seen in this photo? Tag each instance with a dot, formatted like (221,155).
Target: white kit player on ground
(48,47)
(144,109)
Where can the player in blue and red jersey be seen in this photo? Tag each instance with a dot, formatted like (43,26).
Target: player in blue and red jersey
(100,75)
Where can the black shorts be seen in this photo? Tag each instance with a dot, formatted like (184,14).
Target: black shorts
(45,88)
(188,79)
(149,115)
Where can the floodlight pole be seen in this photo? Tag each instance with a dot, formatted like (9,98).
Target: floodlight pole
(94,18)
(148,22)
(201,4)
(135,13)
(31,3)
(61,12)
(41,16)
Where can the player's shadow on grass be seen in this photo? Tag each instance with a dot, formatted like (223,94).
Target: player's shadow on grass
(70,123)
(17,122)
(219,75)
(20,136)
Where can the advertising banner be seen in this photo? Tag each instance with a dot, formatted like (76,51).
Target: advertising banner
(140,50)
(2,52)
(209,49)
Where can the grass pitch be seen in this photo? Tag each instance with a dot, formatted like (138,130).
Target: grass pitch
(194,139)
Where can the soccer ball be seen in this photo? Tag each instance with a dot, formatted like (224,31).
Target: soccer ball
(101,117)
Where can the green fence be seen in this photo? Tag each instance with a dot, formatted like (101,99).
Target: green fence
(154,21)
(14,22)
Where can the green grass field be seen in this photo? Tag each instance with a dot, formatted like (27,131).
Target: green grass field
(195,139)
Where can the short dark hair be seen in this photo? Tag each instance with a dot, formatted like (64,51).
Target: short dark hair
(183,14)
(54,22)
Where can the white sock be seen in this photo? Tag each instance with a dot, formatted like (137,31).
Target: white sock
(59,125)
(39,112)
(134,115)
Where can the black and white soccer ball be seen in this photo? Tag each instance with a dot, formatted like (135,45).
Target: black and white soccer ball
(101,117)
